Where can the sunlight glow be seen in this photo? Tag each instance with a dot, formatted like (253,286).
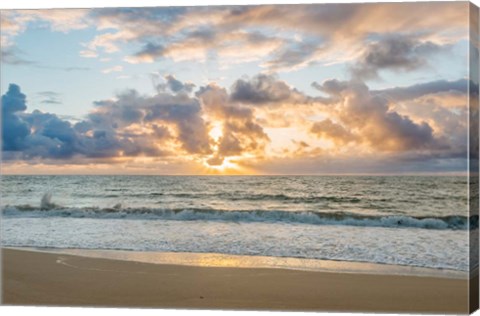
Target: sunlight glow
(216,132)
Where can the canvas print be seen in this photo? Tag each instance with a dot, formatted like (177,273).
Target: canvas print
(310,157)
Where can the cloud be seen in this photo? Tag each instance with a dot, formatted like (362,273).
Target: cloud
(177,86)
(50,101)
(51,136)
(369,119)
(422,89)
(59,20)
(332,86)
(14,100)
(344,19)
(293,56)
(147,54)
(49,97)
(324,33)
(442,104)
(14,130)
(202,44)
(13,56)
(395,52)
(331,31)
(14,22)
(216,127)
(179,112)
(112,69)
(263,89)
(241,133)
(68,69)
(174,85)
(131,126)
(11,24)
(192,131)
(333,131)
(88,53)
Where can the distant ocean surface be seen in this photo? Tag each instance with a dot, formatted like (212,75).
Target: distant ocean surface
(405,220)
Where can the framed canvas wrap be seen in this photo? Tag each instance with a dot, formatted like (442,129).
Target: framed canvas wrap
(301,157)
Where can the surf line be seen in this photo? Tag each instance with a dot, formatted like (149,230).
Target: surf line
(63,261)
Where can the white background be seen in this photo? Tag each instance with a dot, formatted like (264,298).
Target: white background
(67,311)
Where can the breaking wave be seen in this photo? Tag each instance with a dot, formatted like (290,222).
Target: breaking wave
(46,202)
(240,216)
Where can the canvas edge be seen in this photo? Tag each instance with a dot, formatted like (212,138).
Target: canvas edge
(473,153)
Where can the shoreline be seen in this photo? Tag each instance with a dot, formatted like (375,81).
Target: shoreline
(55,279)
(253,261)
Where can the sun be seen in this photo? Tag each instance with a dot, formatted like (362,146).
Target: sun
(225,165)
(216,132)
(221,166)
(216,164)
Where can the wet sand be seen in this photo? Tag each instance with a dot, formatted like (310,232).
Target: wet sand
(36,278)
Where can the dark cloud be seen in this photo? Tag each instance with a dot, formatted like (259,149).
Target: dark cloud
(331,86)
(261,89)
(50,101)
(132,125)
(12,56)
(293,55)
(174,85)
(150,51)
(203,34)
(36,134)
(421,89)
(14,100)
(14,129)
(395,52)
(49,97)
(180,110)
(51,137)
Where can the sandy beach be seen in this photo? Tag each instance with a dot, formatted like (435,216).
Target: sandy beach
(36,278)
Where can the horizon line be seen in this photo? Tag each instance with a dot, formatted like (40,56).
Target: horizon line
(453,173)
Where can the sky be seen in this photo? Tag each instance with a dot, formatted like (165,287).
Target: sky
(272,89)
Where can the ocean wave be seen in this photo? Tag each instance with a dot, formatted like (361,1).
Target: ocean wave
(235,196)
(298,217)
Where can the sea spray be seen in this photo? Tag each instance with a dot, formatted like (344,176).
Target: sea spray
(46,202)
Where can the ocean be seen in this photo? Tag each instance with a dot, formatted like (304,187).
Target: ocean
(417,221)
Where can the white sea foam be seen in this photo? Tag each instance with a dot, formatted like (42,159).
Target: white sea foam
(416,221)
(446,249)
